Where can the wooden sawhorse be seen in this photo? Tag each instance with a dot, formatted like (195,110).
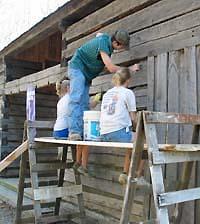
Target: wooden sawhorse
(159,155)
(47,193)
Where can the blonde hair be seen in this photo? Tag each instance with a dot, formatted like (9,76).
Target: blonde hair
(121,76)
(60,85)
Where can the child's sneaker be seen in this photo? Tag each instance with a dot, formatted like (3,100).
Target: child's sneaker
(83,171)
(75,166)
(123,178)
(142,182)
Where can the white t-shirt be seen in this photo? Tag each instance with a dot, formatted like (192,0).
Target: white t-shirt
(116,105)
(62,118)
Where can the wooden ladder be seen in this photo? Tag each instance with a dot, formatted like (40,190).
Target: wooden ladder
(48,193)
(187,153)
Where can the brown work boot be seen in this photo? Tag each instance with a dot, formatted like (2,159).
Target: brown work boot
(74,137)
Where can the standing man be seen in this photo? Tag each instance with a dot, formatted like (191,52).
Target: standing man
(86,64)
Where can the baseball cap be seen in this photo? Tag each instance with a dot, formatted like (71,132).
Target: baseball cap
(123,37)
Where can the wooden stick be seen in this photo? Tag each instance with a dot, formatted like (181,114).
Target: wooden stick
(185,179)
(162,147)
(13,155)
(135,158)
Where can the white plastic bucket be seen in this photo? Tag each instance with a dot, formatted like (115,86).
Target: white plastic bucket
(91,125)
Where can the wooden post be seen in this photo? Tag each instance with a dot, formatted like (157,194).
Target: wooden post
(131,185)
(61,178)
(156,171)
(185,179)
(20,195)
(79,196)
(31,133)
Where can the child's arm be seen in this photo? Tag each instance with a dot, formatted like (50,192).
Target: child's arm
(133,115)
(95,100)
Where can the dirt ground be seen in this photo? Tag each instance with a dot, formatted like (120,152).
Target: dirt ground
(7,213)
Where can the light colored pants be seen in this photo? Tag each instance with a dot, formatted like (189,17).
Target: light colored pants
(78,100)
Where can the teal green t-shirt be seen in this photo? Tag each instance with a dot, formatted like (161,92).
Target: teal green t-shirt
(87,58)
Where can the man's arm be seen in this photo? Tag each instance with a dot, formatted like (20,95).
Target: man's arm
(108,63)
(112,68)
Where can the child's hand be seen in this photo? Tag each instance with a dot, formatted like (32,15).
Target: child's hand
(135,67)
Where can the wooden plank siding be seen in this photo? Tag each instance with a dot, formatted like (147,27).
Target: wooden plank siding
(182,93)
(166,25)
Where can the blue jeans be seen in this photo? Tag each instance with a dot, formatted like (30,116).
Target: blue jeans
(78,100)
(118,136)
(61,134)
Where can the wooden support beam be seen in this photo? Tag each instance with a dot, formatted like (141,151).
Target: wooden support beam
(88,143)
(79,196)
(42,183)
(135,159)
(41,124)
(13,155)
(174,157)
(162,147)
(43,205)
(171,118)
(51,166)
(20,196)
(46,193)
(171,198)
(156,171)
(61,178)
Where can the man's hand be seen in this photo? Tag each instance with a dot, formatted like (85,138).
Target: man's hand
(135,67)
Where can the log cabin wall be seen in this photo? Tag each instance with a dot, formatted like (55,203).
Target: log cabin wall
(16,69)
(13,122)
(156,27)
